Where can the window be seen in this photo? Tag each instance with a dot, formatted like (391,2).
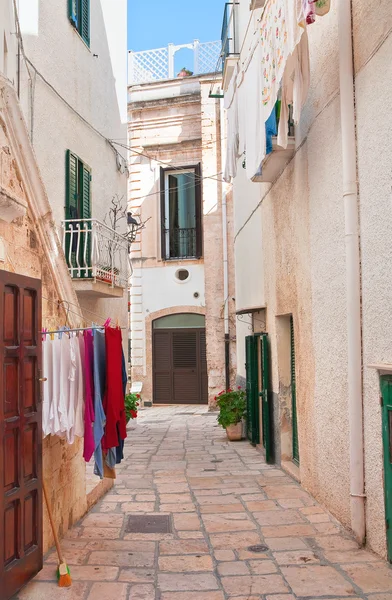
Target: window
(78,200)
(181,213)
(78,207)
(79,15)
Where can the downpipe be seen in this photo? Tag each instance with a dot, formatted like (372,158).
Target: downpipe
(353,275)
(225,256)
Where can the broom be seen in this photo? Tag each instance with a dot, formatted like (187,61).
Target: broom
(63,573)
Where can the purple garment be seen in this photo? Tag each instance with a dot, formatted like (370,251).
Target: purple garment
(89,445)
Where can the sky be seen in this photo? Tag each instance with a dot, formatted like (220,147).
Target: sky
(156,23)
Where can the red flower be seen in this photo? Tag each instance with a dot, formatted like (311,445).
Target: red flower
(138,396)
(133,414)
(137,403)
(239,387)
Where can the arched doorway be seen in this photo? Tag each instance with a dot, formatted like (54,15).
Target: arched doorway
(179,360)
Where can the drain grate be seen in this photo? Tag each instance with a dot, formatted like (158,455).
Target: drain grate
(258,548)
(148,524)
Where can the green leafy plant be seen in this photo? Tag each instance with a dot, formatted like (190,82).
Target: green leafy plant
(232,407)
(132,402)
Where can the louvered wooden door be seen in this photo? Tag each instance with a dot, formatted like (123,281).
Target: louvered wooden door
(180,366)
(20,432)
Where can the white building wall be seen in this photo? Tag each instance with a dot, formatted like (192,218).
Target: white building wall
(301,220)
(76,103)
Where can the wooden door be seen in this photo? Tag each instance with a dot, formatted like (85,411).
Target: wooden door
(386,399)
(20,432)
(180,366)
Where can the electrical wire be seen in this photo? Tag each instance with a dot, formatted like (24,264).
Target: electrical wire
(165,164)
(58,303)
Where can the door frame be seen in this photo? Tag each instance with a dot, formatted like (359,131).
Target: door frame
(386,419)
(28,558)
(259,412)
(199,368)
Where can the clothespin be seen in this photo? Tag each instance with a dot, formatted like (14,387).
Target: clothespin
(107,322)
(117,323)
(44,330)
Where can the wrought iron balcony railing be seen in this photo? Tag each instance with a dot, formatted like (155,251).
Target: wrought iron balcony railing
(229,36)
(95,251)
(180,243)
(158,64)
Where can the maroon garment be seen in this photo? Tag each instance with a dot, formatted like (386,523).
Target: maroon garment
(113,403)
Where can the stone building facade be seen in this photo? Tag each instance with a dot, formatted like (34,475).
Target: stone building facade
(294,287)
(175,124)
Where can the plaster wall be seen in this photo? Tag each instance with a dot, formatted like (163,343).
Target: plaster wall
(8,46)
(303,260)
(63,465)
(85,94)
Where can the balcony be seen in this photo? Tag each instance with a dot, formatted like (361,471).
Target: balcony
(97,258)
(159,64)
(180,243)
(276,161)
(230,41)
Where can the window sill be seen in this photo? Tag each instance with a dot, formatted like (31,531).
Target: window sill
(80,37)
(179,259)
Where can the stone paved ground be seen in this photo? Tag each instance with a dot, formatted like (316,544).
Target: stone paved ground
(222,498)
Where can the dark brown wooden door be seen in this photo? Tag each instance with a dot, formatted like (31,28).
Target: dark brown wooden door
(180,366)
(20,432)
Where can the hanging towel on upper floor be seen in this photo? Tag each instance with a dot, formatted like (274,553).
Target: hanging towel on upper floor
(231,106)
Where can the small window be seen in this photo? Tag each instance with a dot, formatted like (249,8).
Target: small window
(79,15)
(182,274)
(181,213)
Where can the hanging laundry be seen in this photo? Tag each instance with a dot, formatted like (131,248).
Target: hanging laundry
(270,130)
(89,445)
(114,405)
(47,362)
(255,143)
(99,393)
(295,87)
(76,405)
(231,106)
(120,447)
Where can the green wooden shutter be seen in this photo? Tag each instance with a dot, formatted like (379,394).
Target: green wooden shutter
(73,12)
(265,394)
(294,397)
(84,26)
(252,393)
(386,390)
(85,246)
(86,192)
(71,200)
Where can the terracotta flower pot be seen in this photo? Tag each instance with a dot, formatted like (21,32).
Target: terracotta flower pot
(234,432)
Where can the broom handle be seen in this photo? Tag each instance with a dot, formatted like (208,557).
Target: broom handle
(56,539)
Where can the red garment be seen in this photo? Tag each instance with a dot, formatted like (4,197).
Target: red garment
(113,402)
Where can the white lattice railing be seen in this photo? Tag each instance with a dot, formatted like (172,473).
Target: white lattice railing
(158,64)
(95,251)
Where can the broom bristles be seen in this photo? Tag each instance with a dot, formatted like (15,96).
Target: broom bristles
(64,576)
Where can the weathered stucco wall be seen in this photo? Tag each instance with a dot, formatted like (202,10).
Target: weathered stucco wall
(301,224)
(64,468)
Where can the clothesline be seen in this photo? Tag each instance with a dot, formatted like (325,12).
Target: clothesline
(67,330)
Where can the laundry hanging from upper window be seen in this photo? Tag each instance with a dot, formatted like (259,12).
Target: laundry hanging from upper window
(84,390)
(277,63)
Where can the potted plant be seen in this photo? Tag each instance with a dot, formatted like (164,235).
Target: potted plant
(107,276)
(185,73)
(232,407)
(132,402)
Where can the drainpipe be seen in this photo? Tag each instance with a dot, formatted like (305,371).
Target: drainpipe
(353,278)
(225,256)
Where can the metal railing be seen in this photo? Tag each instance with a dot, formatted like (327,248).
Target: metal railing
(180,243)
(229,36)
(95,251)
(158,64)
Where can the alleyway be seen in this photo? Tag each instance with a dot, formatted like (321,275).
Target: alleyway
(221,499)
